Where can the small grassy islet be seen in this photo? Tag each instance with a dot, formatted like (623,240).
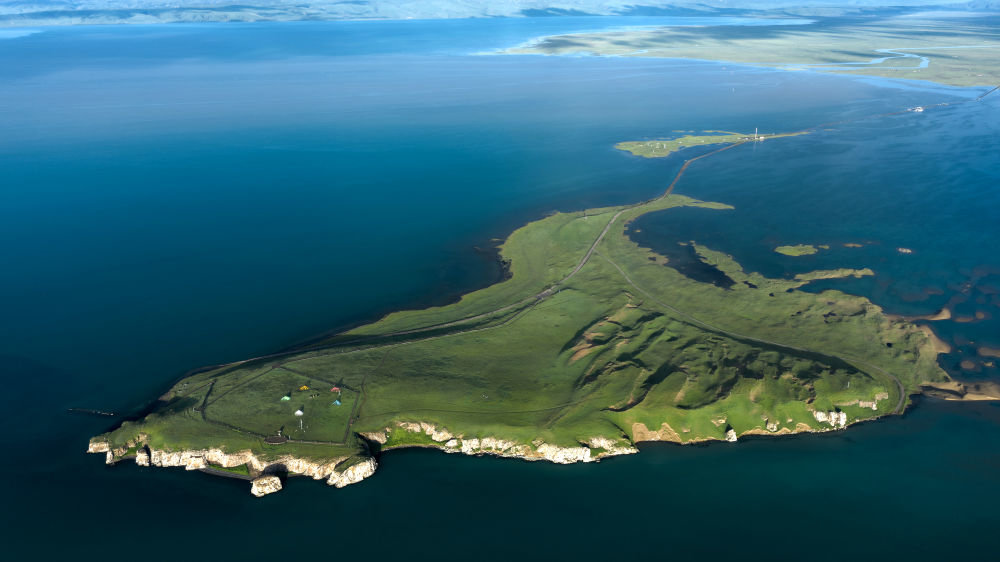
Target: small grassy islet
(797,250)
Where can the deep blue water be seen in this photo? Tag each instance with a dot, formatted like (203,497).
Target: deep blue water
(174,196)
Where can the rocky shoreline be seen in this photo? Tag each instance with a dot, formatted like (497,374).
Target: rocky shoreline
(444,440)
(264,472)
(261,469)
(592,450)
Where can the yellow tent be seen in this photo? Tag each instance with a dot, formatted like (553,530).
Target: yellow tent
(303,387)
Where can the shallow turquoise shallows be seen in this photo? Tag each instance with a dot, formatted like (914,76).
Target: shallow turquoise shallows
(175,196)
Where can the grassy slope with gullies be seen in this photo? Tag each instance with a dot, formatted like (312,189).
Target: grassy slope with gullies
(623,347)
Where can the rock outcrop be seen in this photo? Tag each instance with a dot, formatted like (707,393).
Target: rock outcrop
(102,447)
(564,455)
(190,460)
(265,485)
(377,436)
(612,447)
(353,474)
(491,446)
(834,418)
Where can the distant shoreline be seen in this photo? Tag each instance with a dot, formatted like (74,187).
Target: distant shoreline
(948,51)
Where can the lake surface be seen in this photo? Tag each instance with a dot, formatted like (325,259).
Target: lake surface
(175,196)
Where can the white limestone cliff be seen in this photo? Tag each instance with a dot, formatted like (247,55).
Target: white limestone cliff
(198,459)
(265,485)
(612,446)
(354,474)
(452,443)
(834,418)
(564,455)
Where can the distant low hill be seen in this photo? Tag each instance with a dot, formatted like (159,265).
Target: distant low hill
(20,13)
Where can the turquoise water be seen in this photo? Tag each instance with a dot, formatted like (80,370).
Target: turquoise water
(175,196)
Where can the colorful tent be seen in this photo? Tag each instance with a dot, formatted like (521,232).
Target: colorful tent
(335,389)
(286,397)
(299,413)
(336,402)
(303,387)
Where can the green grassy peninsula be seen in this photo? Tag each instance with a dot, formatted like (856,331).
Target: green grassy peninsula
(592,345)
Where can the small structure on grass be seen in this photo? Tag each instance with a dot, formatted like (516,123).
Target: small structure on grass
(336,402)
(286,397)
(304,387)
(299,413)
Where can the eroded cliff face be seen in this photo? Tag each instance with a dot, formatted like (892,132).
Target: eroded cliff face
(198,459)
(265,485)
(834,418)
(589,450)
(354,474)
(595,448)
